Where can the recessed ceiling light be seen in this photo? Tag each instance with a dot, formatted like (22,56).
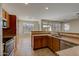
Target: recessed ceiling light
(46,8)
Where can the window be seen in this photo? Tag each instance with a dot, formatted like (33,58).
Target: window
(47,27)
(28,27)
(56,27)
(51,26)
(66,27)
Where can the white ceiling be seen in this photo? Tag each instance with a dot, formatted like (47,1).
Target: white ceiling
(56,11)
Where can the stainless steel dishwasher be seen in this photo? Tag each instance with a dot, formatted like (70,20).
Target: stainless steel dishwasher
(66,44)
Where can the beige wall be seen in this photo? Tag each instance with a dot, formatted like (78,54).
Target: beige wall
(74,26)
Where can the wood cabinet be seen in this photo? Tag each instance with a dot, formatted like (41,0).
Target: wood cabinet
(6,16)
(46,41)
(50,43)
(3,13)
(10,30)
(12,24)
(56,44)
(8,19)
(39,42)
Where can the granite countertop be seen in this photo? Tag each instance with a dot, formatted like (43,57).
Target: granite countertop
(74,51)
(65,38)
(70,39)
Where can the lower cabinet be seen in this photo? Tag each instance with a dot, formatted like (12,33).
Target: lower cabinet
(50,40)
(46,41)
(56,44)
(39,42)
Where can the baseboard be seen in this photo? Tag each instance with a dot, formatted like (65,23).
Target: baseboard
(39,48)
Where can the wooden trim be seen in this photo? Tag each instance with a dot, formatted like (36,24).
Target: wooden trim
(39,48)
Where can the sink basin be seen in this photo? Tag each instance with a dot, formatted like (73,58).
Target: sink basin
(57,36)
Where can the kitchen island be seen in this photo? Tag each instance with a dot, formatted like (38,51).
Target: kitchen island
(54,43)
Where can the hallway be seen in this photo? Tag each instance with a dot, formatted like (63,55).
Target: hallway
(24,48)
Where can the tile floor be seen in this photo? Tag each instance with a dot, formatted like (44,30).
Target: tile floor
(24,48)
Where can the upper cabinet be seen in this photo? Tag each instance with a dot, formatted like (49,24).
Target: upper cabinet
(6,17)
(3,13)
(9,23)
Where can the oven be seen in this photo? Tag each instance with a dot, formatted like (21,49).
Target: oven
(8,47)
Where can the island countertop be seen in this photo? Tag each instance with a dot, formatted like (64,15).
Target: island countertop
(69,39)
(74,51)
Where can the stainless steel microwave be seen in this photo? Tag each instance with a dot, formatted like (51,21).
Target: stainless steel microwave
(4,22)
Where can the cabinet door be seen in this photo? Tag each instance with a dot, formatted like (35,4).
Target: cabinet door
(37,42)
(56,44)
(50,41)
(3,13)
(12,23)
(44,41)
(7,18)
